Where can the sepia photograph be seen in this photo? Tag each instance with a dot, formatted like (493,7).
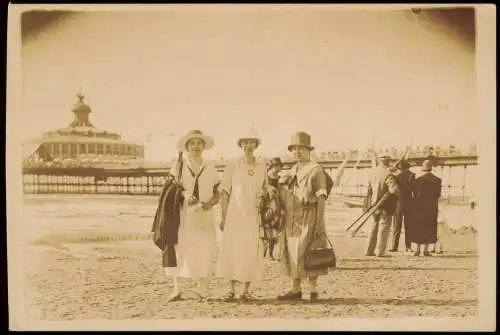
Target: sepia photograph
(251,167)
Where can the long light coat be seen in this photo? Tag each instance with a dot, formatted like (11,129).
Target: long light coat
(300,195)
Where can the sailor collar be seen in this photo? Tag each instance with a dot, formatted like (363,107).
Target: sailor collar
(187,161)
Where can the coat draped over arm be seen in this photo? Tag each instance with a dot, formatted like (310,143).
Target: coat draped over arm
(167,220)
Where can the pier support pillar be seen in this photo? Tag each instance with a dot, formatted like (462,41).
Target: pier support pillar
(464,182)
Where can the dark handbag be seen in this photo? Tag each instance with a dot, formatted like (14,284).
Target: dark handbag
(319,258)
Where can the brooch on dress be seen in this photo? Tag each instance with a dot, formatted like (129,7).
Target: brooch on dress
(251,172)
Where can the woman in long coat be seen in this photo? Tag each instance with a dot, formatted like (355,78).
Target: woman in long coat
(197,242)
(304,196)
(425,208)
(241,253)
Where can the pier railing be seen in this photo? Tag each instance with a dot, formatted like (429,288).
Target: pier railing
(144,182)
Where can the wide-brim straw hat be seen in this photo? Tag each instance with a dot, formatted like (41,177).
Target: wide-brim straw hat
(209,142)
(250,134)
(300,139)
(427,166)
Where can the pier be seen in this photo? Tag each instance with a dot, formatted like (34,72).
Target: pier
(83,159)
(457,172)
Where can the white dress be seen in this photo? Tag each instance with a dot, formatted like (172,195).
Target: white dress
(196,250)
(241,255)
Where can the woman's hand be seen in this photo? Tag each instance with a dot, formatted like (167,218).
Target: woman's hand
(152,235)
(320,230)
(192,200)
(206,206)
(222,224)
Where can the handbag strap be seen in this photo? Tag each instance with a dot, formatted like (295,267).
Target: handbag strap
(314,230)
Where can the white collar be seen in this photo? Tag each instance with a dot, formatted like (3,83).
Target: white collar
(188,163)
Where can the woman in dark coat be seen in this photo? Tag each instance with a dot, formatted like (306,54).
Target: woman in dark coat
(425,209)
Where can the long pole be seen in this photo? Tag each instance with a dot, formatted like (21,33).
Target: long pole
(370,213)
(359,217)
(370,210)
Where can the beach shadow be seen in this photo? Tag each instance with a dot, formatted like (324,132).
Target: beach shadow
(454,256)
(410,256)
(366,259)
(365,301)
(400,268)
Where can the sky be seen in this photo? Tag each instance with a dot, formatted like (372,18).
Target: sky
(342,76)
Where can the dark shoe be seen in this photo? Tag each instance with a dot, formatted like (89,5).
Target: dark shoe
(290,296)
(313,296)
(370,255)
(409,250)
(246,296)
(229,296)
(201,297)
(174,297)
(427,254)
(393,250)
(417,253)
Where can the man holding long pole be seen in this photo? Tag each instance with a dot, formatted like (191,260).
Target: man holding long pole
(384,186)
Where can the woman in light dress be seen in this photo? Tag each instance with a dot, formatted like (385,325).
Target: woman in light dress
(241,254)
(197,244)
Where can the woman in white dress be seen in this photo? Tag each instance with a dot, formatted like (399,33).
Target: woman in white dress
(241,253)
(197,243)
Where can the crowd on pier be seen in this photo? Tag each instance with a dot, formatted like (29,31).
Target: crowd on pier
(101,160)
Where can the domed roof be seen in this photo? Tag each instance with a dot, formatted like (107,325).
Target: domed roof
(81,106)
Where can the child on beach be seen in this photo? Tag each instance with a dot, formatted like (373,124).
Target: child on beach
(271,209)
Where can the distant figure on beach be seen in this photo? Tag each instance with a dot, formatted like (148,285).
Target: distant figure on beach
(271,208)
(424,212)
(306,191)
(197,243)
(406,181)
(472,203)
(383,182)
(241,252)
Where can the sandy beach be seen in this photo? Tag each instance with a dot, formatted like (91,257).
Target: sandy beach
(89,258)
